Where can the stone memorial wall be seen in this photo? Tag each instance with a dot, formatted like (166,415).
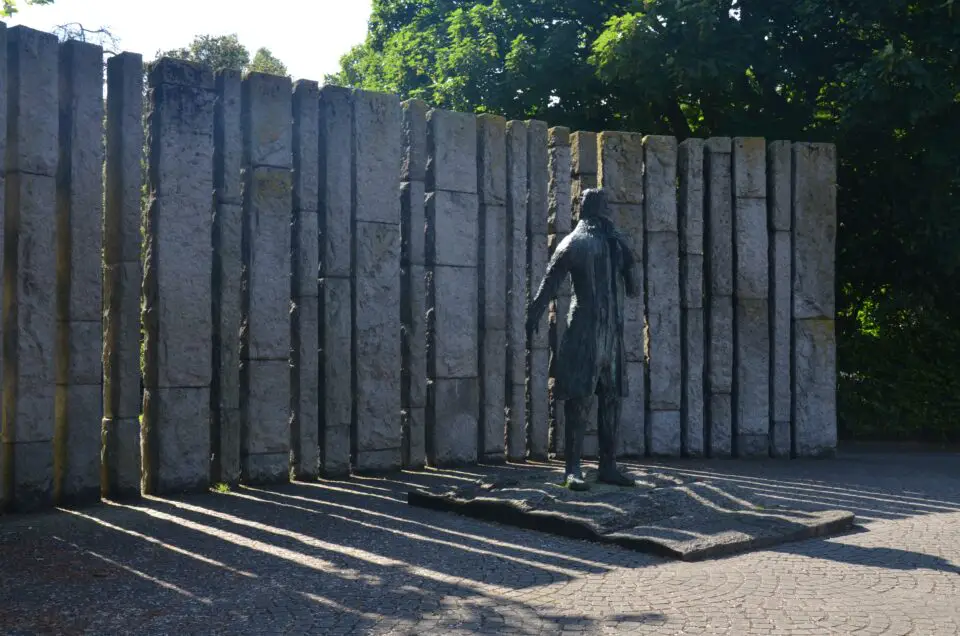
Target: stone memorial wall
(246,279)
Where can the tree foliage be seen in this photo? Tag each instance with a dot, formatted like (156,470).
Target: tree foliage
(10,6)
(881,79)
(221,52)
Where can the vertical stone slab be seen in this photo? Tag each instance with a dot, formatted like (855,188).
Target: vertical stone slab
(583,175)
(751,381)
(227,271)
(79,344)
(377,137)
(662,262)
(538,399)
(30,267)
(6,467)
(690,162)
(814,339)
(452,242)
(560,221)
(620,174)
(177,271)
(413,372)
(266,107)
(335,305)
(779,189)
(718,243)
(492,309)
(304,328)
(122,274)
(516,290)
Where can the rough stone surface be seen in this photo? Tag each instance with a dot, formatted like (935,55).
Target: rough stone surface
(749,167)
(377,340)
(266,420)
(230,451)
(814,230)
(121,456)
(516,437)
(306,140)
(628,219)
(336,386)
(780,326)
(452,228)
(456,402)
(691,281)
(752,249)
(377,124)
(414,421)
(378,461)
(336,181)
(79,473)
(517,259)
(780,439)
(308,392)
(267,204)
(33,475)
(32,101)
(492,159)
(415,365)
(452,152)
(633,416)
(663,319)
(559,189)
(412,222)
(752,382)
(414,139)
(720,360)
(720,425)
(454,341)
(228,131)
(814,387)
(230,224)
(494,399)
(779,191)
(268,134)
(620,166)
(693,416)
(690,168)
(664,433)
(182,437)
(538,177)
(719,217)
(660,183)
(583,152)
(676,516)
(266,468)
(494,267)
(538,422)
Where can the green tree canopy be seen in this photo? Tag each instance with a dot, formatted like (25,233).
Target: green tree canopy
(221,52)
(10,6)
(881,79)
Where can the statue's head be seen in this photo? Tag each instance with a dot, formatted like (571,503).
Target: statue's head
(593,204)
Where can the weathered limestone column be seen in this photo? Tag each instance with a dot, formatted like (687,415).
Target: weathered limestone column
(538,349)
(266,105)
(583,176)
(662,261)
(779,166)
(79,345)
(122,275)
(335,307)
(692,296)
(751,380)
(377,136)
(29,320)
(305,319)
(814,339)
(177,271)
(413,291)
(516,290)
(559,226)
(620,174)
(718,239)
(492,309)
(452,289)
(227,271)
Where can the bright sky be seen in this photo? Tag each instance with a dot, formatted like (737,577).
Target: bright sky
(309,36)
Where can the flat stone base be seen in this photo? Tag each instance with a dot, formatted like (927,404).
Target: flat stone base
(669,515)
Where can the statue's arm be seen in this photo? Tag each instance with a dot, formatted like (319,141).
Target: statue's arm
(631,282)
(557,270)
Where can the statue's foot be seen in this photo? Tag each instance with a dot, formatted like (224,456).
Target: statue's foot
(576,482)
(615,477)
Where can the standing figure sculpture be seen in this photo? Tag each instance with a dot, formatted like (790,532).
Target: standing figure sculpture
(590,360)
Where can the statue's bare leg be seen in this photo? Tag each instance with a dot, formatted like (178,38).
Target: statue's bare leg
(609,425)
(576,412)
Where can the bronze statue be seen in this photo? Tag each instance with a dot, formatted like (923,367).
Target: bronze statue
(590,360)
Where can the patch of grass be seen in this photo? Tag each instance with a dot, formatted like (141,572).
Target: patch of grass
(221,488)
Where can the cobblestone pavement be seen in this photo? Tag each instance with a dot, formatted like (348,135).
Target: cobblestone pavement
(350,557)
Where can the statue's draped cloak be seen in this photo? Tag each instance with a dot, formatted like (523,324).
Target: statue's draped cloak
(600,265)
